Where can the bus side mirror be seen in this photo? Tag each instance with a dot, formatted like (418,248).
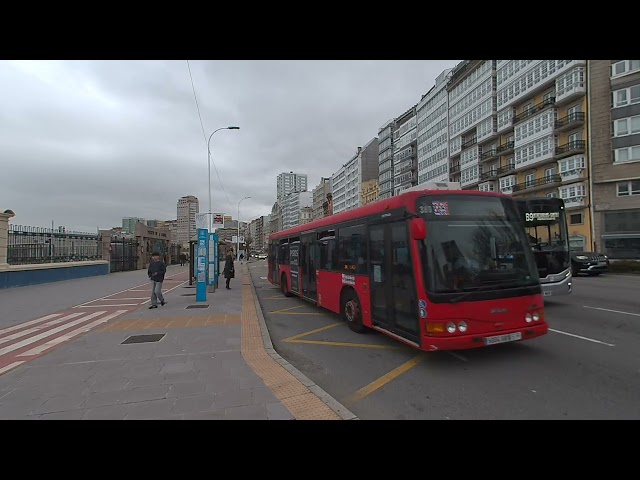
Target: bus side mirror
(418,229)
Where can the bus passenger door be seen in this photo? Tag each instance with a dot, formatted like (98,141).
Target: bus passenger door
(273,261)
(309,261)
(294,264)
(393,291)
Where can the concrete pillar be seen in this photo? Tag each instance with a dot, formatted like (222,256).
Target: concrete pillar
(5,215)
(105,243)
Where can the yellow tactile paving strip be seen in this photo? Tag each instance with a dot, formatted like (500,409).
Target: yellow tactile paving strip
(301,402)
(173,322)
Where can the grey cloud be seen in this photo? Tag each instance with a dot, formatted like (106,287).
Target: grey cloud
(88,142)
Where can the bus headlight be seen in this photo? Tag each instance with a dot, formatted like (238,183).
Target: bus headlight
(536,316)
(451,327)
(462,326)
(528,318)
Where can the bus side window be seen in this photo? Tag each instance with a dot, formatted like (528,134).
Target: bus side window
(352,250)
(327,254)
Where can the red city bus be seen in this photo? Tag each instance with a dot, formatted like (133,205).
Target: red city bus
(434,267)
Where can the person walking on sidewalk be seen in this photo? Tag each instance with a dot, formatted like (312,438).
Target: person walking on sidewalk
(229,269)
(156,271)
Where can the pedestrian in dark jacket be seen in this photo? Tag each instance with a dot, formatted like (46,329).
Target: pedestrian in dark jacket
(157,269)
(229,269)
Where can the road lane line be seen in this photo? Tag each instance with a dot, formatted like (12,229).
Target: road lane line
(67,336)
(287,309)
(165,291)
(614,311)
(48,333)
(304,334)
(124,298)
(31,322)
(28,331)
(582,338)
(383,380)
(112,305)
(10,366)
(347,344)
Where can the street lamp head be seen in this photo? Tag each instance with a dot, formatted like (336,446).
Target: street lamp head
(233,128)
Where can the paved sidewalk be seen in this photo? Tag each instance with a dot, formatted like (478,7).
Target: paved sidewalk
(206,363)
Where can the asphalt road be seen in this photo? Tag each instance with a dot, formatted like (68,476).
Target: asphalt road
(587,367)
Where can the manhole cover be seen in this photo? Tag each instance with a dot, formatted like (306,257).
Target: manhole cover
(198,306)
(188,295)
(156,337)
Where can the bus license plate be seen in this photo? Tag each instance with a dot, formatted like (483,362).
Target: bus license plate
(509,337)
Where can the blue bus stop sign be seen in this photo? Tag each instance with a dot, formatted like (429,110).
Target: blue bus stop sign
(201,265)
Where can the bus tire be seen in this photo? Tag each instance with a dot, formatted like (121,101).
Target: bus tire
(352,311)
(283,286)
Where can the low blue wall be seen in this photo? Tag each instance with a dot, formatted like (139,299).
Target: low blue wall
(23,275)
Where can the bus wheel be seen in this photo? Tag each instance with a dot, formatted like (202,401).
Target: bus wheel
(283,286)
(352,312)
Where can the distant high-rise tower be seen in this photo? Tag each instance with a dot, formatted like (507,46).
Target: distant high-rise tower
(188,206)
(291,182)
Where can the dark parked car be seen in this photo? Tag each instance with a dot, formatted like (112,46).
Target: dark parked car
(588,262)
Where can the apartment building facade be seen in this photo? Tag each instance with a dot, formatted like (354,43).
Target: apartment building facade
(405,163)
(385,159)
(187,208)
(291,206)
(290,182)
(320,197)
(369,191)
(614,154)
(346,183)
(541,148)
(433,132)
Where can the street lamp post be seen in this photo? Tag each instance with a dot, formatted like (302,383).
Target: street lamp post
(238,244)
(209,162)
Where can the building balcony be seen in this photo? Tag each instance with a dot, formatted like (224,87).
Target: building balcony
(537,184)
(472,141)
(503,149)
(506,169)
(574,91)
(454,168)
(507,124)
(535,109)
(571,148)
(574,119)
(506,148)
(574,202)
(490,175)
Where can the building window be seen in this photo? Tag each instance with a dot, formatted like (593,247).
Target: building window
(552,195)
(628,154)
(626,126)
(530,179)
(625,189)
(626,96)
(548,95)
(549,172)
(574,137)
(624,66)
(572,110)
(575,219)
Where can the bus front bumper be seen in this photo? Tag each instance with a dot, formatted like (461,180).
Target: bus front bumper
(465,342)
(552,289)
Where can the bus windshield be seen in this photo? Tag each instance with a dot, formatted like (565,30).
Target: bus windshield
(546,227)
(474,243)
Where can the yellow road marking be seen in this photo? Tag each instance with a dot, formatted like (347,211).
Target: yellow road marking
(345,344)
(287,309)
(383,380)
(300,335)
(297,313)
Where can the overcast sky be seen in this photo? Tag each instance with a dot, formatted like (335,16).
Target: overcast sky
(86,143)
